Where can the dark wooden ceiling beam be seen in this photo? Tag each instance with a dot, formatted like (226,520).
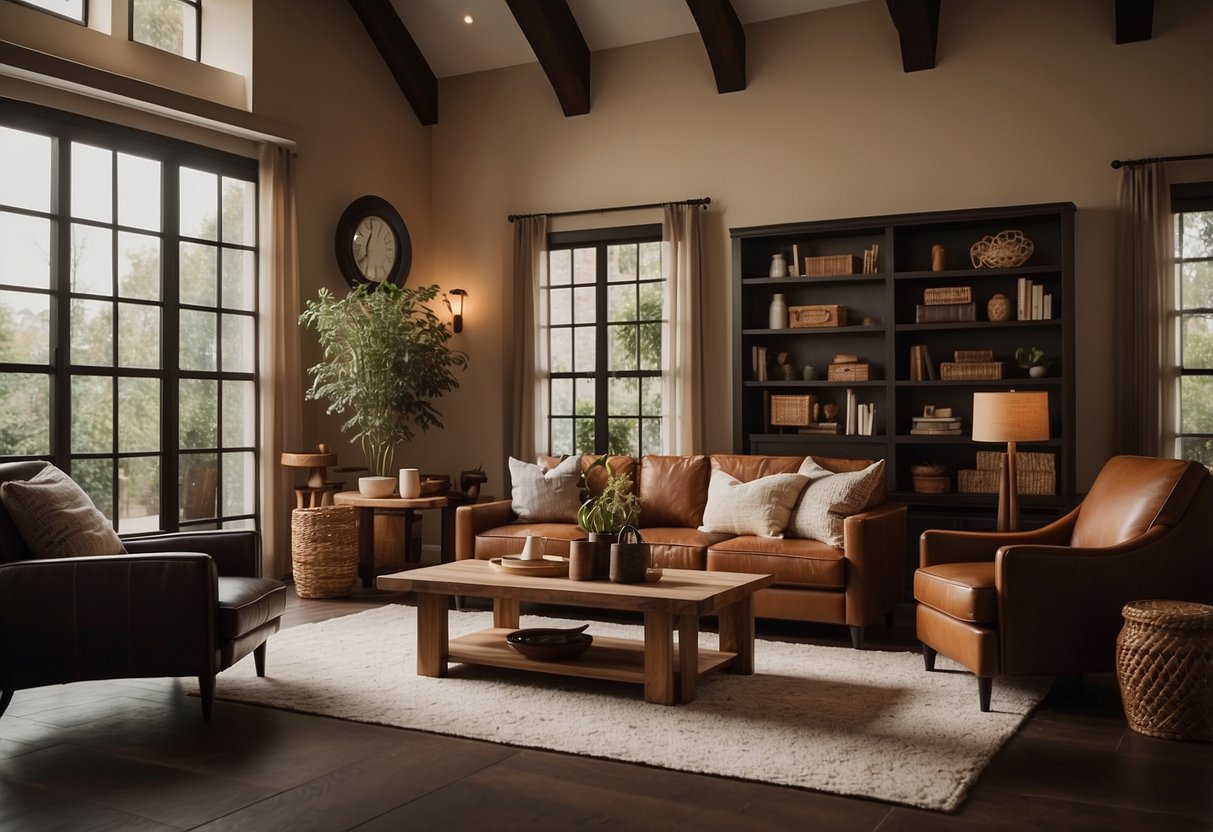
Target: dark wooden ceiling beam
(724,40)
(399,51)
(917,23)
(1134,20)
(559,46)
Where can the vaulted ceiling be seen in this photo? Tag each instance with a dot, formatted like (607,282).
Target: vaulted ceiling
(423,40)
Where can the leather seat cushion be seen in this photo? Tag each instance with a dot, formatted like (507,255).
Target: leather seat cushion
(964,591)
(800,562)
(509,540)
(247,603)
(676,548)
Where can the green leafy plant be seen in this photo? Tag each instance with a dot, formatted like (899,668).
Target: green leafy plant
(617,506)
(385,358)
(1031,357)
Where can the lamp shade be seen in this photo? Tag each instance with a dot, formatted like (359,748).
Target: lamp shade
(1011,416)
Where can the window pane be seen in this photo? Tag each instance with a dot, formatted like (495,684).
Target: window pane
(198,274)
(621,341)
(1196,280)
(562,436)
(585,388)
(1197,347)
(25,327)
(25,175)
(198,485)
(1200,450)
(199,202)
(623,396)
(92,333)
(625,437)
(25,251)
(138,336)
(621,262)
(1196,234)
(246,523)
(583,438)
(560,267)
(138,415)
(650,261)
(650,346)
(585,265)
(650,436)
(584,305)
(92,260)
(621,303)
(139,495)
(239,484)
(92,183)
(239,414)
(650,396)
(651,302)
(562,397)
(1196,404)
(68,8)
(166,24)
(239,352)
(239,272)
(138,266)
(197,340)
(92,415)
(239,212)
(25,414)
(198,416)
(138,192)
(96,478)
(561,350)
(560,306)
(583,349)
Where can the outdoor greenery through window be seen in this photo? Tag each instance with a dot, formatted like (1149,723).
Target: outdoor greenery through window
(602,317)
(172,25)
(1193,207)
(128,318)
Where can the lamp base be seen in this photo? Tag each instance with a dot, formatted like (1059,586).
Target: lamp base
(1008,492)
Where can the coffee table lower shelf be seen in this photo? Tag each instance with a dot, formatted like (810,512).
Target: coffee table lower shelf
(613,659)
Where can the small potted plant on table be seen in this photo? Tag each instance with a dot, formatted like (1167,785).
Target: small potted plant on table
(601,517)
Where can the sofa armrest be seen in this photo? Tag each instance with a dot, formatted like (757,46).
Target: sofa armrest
(476,518)
(937,546)
(875,550)
(236,552)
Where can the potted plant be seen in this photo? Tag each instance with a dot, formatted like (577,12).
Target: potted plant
(1033,360)
(385,359)
(602,516)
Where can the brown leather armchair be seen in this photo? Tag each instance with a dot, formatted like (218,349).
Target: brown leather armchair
(1048,601)
(185,604)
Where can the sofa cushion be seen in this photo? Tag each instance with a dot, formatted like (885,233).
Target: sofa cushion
(673,490)
(247,603)
(676,548)
(746,467)
(800,562)
(830,499)
(56,518)
(596,479)
(541,494)
(509,540)
(962,590)
(759,507)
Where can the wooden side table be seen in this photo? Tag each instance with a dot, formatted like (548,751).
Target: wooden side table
(368,507)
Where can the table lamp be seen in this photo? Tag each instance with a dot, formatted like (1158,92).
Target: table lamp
(1010,417)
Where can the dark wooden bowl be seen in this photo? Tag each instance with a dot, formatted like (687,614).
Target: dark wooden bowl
(547,644)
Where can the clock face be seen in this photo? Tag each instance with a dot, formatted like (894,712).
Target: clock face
(375,248)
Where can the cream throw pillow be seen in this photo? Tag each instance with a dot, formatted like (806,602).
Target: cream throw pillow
(546,496)
(830,499)
(56,518)
(758,507)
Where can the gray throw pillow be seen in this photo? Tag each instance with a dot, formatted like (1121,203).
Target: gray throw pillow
(56,518)
(546,496)
(830,499)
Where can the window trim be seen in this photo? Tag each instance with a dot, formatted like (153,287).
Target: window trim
(1189,197)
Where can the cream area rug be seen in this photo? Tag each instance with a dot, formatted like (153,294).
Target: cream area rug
(853,722)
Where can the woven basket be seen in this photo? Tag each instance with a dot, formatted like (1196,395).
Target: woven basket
(970,370)
(1006,249)
(985,481)
(947,294)
(324,551)
(1024,461)
(828,265)
(791,411)
(1164,664)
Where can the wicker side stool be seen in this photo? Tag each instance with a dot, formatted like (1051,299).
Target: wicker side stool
(1164,664)
(324,551)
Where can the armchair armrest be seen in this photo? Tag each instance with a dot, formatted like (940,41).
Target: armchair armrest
(476,518)
(236,552)
(937,546)
(875,550)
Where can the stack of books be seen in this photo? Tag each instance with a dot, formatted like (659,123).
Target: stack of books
(820,427)
(758,363)
(936,425)
(1032,302)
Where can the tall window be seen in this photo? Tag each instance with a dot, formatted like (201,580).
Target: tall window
(172,25)
(71,9)
(128,318)
(1193,206)
(602,307)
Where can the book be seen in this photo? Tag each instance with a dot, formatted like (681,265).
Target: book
(1038,302)
(918,364)
(930,365)
(936,431)
(944,312)
(794,268)
(1048,313)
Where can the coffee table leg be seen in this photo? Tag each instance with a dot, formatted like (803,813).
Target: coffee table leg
(432,634)
(659,657)
(737,635)
(505,613)
(366,545)
(688,657)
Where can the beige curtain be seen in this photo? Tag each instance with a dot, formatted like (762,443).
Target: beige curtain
(527,359)
(281,377)
(682,337)
(1146,375)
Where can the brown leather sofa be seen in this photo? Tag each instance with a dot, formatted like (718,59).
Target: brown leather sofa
(1049,601)
(185,604)
(856,585)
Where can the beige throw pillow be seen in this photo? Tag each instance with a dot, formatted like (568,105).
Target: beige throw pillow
(541,495)
(830,499)
(759,507)
(56,518)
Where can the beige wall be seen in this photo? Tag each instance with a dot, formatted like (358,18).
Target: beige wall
(1029,103)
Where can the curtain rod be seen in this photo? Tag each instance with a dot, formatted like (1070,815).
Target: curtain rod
(705,201)
(1120,163)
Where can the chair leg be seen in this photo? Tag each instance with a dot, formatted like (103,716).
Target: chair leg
(984,685)
(928,658)
(259,658)
(5,698)
(857,638)
(888,619)
(206,692)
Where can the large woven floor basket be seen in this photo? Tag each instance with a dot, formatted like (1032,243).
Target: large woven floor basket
(1164,663)
(324,551)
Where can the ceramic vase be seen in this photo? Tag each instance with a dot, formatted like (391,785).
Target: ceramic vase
(581,560)
(778,313)
(779,266)
(602,553)
(999,308)
(410,483)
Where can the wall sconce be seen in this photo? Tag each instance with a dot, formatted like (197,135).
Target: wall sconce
(457,316)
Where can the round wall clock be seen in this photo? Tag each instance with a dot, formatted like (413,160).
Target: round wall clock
(372,243)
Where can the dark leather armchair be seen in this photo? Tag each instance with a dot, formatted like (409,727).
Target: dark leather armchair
(1048,601)
(186,604)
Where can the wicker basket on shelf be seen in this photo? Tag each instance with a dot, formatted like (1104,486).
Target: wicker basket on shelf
(1004,250)
(792,411)
(324,551)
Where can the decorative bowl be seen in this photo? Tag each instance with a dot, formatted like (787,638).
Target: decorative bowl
(548,644)
(435,484)
(376,486)
(1006,249)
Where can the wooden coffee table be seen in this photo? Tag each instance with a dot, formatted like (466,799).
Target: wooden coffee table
(667,670)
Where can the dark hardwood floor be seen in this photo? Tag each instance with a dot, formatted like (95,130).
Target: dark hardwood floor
(136,755)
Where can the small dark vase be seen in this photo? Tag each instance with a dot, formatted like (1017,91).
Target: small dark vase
(602,553)
(470,482)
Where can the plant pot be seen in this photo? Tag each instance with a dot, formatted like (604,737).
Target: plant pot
(602,553)
(376,486)
(1037,371)
(581,560)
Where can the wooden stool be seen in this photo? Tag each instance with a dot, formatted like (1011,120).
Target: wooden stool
(318,492)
